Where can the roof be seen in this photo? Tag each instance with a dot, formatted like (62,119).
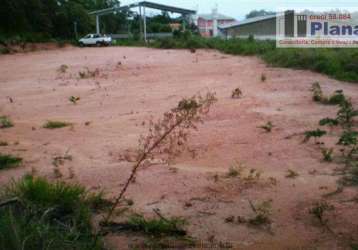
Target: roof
(247,21)
(145,4)
(219,17)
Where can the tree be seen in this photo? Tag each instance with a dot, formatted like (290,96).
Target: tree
(53,18)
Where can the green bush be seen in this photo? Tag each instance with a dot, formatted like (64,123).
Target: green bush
(9,161)
(5,122)
(46,216)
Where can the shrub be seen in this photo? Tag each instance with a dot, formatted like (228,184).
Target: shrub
(337,98)
(317,92)
(167,137)
(40,214)
(4,50)
(5,122)
(56,124)
(9,161)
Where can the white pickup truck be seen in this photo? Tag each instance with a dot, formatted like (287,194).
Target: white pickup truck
(95,39)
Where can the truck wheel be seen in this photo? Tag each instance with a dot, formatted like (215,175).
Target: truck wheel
(81,44)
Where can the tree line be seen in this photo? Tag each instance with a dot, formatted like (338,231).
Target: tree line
(45,19)
(54,18)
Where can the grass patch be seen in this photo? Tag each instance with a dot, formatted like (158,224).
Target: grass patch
(157,226)
(56,124)
(9,161)
(5,122)
(44,215)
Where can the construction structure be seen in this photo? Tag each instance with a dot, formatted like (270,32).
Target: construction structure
(186,13)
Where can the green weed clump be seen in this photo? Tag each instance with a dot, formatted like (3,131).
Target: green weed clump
(36,214)
(56,124)
(5,122)
(159,227)
(327,154)
(318,133)
(74,99)
(328,121)
(9,161)
(319,209)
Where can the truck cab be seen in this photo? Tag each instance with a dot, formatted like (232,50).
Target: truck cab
(95,39)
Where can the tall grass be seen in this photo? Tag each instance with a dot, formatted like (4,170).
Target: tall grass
(46,215)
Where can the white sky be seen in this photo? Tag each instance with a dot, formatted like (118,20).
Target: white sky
(239,8)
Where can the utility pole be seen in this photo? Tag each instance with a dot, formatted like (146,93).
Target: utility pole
(145,25)
(97,24)
(75,29)
(140,23)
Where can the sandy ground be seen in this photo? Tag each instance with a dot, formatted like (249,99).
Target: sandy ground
(136,83)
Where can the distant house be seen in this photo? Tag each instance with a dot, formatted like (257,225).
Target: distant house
(268,27)
(263,27)
(208,23)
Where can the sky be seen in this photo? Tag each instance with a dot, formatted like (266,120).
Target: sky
(239,8)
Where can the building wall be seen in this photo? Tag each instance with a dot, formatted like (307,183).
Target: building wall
(261,29)
(206,26)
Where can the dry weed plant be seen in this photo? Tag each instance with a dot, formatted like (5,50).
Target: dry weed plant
(62,69)
(167,136)
(236,93)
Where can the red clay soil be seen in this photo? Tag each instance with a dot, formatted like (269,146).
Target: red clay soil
(134,84)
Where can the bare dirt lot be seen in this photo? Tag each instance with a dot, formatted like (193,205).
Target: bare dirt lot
(133,84)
